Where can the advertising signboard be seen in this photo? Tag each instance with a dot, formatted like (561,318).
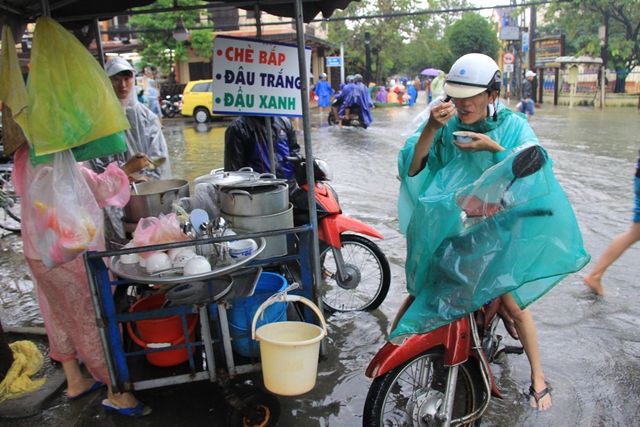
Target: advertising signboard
(255,77)
(547,49)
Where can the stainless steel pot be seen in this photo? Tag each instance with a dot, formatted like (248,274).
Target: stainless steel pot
(153,198)
(221,178)
(275,245)
(254,201)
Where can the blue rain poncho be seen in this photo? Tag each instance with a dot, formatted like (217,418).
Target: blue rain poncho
(474,232)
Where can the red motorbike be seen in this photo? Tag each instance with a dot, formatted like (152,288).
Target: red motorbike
(442,377)
(355,272)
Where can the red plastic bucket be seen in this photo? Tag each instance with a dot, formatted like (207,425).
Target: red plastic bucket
(162,332)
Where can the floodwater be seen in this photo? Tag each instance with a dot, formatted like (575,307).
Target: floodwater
(589,345)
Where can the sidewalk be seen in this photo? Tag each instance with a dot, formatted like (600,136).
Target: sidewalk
(34,403)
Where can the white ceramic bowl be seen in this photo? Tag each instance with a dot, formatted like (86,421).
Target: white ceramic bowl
(239,249)
(462,137)
(158,262)
(175,251)
(197,265)
(183,256)
(129,258)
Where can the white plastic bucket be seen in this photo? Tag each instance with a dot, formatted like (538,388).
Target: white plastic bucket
(289,350)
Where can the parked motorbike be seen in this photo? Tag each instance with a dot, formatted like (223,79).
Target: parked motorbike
(355,118)
(177,103)
(167,107)
(355,272)
(442,377)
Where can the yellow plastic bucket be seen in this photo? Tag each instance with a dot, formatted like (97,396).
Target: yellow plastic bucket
(289,350)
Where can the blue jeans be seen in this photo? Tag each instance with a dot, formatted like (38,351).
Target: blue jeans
(527,107)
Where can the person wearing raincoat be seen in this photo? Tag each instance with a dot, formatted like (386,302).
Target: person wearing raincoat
(246,144)
(437,84)
(382,95)
(359,97)
(413,94)
(457,259)
(144,136)
(324,92)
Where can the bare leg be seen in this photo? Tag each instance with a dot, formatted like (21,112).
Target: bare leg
(616,248)
(528,336)
(403,308)
(76,382)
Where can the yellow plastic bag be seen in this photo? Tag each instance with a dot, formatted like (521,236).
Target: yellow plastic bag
(71,100)
(27,361)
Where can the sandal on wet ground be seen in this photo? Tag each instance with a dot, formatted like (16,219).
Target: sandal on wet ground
(510,327)
(95,386)
(140,410)
(537,395)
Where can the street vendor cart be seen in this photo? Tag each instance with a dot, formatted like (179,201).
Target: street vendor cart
(207,348)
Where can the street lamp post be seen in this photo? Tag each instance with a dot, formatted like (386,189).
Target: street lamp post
(367,45)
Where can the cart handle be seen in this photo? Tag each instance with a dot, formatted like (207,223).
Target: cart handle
(284,297)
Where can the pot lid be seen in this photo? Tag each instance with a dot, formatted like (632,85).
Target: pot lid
(254,183)
(223,178)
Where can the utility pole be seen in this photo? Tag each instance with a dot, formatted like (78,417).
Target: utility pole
(367,46)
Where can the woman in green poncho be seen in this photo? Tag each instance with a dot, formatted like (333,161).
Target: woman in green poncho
(511,260)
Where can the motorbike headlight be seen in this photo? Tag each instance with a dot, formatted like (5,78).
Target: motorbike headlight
(324,168)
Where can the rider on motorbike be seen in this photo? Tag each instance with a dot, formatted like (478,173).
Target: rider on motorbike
(448,278)
(338,101)
(358,97)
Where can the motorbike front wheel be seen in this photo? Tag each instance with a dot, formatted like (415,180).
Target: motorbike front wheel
(367,275)
(169,112)
(332,119)
(411,394)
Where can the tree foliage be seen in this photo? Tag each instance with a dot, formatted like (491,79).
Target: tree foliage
(472,33)
(406,44)
(580,19)
(155,33)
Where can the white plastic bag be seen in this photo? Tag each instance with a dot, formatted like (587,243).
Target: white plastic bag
(67,217)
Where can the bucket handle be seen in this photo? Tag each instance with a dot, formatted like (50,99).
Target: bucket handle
(177,341)
(284,297)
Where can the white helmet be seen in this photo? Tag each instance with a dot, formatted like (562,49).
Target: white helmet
(472,74)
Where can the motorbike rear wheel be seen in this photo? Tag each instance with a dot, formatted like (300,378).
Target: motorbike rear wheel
(409,394)
(367,268)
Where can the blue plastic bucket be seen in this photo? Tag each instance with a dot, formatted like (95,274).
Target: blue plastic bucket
(241,314)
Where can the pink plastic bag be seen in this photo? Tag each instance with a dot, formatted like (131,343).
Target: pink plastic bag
(67,217)
(156,231)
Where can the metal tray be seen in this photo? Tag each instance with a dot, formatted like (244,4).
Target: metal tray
(138,274)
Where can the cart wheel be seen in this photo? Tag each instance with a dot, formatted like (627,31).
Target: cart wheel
(265,403)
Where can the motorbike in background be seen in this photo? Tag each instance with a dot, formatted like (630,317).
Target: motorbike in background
(168,107)
(355,272)
(442,377)
(355,118)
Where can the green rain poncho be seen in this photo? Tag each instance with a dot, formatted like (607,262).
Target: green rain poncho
(513,235)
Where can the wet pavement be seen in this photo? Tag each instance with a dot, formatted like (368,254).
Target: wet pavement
(589,346)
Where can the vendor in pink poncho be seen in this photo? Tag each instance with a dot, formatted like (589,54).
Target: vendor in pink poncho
(63,291)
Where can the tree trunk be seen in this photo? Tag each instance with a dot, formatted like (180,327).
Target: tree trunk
(6,354)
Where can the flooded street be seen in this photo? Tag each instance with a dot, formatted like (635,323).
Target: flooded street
(589,345)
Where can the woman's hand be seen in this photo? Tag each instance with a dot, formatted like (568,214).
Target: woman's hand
(135,164)
(481,142)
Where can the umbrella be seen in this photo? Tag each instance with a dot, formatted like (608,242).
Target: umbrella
(430,72)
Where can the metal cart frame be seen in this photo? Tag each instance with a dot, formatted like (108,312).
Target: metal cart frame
(110,321)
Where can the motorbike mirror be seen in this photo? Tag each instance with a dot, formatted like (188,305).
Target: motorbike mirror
(528,161)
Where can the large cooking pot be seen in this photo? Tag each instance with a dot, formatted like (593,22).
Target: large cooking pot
(254,201)
(274,245)
(153,198)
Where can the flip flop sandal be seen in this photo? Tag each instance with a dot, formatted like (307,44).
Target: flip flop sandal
(140,410)
(537,395)
(94,386)
(510,327)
